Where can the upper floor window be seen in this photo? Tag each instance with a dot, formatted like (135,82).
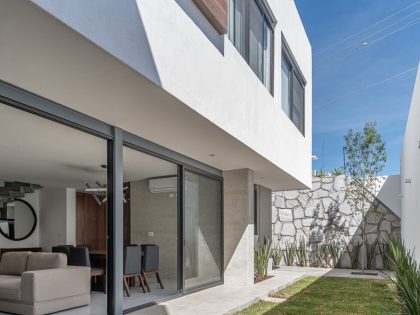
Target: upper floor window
(251,26)
(292,89)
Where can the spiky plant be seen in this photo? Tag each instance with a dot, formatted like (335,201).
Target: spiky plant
(407,277)
(319,255)
(337,172)
(301,252)
(277,255)
(385,254)
(289,253)
(353,253)
(335,251)
(370,254)
(262,254)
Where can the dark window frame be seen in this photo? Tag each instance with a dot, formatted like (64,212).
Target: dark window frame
(269,21)
(288,59)
(11,95)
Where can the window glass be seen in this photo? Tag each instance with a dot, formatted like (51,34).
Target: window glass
(251,34)
(203,230)
(267,56)
(239,26)
(256,33)
(298,106)
(285,102)
(292,90)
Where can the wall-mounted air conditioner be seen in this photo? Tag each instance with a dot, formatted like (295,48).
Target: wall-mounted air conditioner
(163,184)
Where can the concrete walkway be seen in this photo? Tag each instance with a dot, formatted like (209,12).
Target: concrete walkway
(226,299)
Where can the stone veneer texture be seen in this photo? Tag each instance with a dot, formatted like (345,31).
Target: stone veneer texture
(323,215)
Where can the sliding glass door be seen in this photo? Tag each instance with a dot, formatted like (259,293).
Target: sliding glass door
(202,231)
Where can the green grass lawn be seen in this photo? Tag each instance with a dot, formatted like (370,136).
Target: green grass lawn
(327,295)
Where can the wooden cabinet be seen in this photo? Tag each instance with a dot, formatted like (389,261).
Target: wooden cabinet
(91,221)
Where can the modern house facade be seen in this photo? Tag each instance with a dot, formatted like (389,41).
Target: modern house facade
(410,174)
(164,123)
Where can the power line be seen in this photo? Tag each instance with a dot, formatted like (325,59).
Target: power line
(367,38)
(366,28)
(411,24)
(367,87)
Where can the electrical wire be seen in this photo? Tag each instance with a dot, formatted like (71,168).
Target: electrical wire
(369,37)
(374,41)
(366,28)
(367,87)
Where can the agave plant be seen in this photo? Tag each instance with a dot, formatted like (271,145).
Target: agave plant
(277,255)
(370,254)
(289,254)
(319,255)
(335,251)
(337,172)
(384,249)
(301,252)
(407,277)
(353,253)
(262,254)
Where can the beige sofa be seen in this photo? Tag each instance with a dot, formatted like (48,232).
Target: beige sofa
(41,283)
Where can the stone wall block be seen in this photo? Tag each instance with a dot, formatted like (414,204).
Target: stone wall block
(323,214)
(285,215)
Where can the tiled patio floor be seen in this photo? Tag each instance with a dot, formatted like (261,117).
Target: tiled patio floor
(229,299)
(223,299)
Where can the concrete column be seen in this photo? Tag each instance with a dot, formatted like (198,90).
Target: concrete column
(239,227)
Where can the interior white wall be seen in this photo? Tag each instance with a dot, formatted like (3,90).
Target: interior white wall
(70,216)
(32,241)
(153,37)
(410,174)
(57,217)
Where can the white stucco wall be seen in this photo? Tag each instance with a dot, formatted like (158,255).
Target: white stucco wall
(168,42)
(57,221)
(410,171)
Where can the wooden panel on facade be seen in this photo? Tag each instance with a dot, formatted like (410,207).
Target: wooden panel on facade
(216,11)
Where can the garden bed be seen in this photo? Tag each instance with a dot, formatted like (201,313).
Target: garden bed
(328,295)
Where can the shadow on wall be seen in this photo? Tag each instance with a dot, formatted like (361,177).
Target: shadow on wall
(124,35)
(202,23)
(331,229)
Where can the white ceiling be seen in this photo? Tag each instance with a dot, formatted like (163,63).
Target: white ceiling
(37,150)
(48,58)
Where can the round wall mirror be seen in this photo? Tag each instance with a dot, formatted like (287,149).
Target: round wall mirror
(17,220)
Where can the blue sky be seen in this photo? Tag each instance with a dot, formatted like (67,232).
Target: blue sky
(348,86)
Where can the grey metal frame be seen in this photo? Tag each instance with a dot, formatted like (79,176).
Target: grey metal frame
(271,21)
(222,257)
(116,138)
(115,223)
(289,59)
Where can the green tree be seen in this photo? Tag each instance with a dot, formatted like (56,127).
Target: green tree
(365,159)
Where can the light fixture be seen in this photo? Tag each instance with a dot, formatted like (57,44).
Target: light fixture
(314,158)
(407,181)
(99,193)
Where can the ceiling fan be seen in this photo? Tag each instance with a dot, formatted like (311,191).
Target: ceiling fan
(99,193)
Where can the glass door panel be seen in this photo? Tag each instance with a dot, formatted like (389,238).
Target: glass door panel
(202,231)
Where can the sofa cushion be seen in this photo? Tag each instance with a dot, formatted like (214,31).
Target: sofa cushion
(41,261)
(13,263)
(10,287)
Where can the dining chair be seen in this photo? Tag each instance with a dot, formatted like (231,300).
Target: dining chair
(84,245)
(61,249)
(150,263)
(132,267)
(79,256)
